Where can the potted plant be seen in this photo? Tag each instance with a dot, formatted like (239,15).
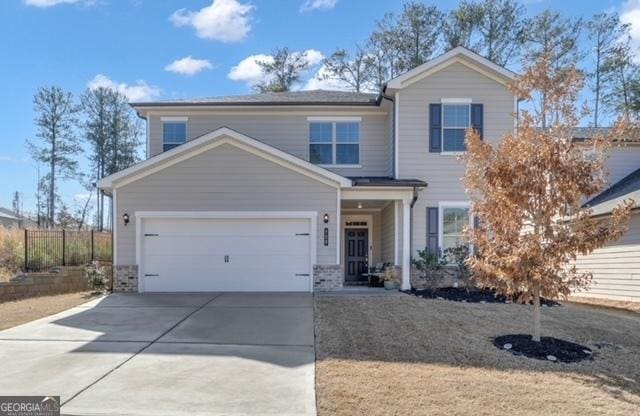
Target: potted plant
(390,278)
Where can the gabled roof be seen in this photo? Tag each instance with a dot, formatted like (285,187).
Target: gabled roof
(456,55)
(626,188)
(313,97)
(211,140)
(8,214)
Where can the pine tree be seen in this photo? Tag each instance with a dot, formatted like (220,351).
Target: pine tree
(56,121)
(284,71)
(605,31)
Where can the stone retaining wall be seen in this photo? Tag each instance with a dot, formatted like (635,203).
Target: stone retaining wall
(68,280)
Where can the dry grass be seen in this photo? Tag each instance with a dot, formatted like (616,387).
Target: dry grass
(22,311)
(409,356)
(606,303)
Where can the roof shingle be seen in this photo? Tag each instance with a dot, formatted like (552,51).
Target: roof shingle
(313,97)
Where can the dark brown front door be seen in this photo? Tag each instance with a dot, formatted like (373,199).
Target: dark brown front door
(357,255)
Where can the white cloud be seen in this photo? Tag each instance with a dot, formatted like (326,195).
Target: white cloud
(311,5)
(141,91)
(224,20)
(50,3)
(631,14)
(248,69)
(188,66)
(250,72)
(5,158)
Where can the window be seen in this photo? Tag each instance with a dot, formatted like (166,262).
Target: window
(454,219)
(174,133)
(334,142)
(456,119)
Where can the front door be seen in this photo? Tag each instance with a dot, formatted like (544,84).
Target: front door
(357,255)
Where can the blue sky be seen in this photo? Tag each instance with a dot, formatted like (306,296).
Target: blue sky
(132,44)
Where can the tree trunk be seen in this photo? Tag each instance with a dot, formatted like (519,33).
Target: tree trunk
(536,313)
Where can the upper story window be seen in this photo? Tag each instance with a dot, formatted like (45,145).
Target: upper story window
(174,132)
(455,121)
(334,142)
(449,121)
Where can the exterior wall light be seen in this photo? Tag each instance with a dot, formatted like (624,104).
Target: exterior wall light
(125,219)
(325,218)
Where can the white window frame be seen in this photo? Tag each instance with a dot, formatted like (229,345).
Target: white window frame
(184,120)
(452,204)
(453,101)
(334,141)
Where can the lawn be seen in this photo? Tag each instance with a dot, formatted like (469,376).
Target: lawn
(410,356)
(22,311)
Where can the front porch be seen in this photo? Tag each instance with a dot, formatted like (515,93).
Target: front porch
(375,232)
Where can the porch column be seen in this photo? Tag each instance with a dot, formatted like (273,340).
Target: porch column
(406,244)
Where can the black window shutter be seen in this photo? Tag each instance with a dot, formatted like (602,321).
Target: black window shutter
(435,127)
(477,118)
(432,229)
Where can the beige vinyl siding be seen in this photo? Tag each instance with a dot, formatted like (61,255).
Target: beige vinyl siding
(289,133)
(388,241)
(443,172)
(376,241)
(615,267)
(225,179)
(622,161)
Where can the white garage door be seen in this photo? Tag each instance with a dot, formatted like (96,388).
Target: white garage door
(200,255)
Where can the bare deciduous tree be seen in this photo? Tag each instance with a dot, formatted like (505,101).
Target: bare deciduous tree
(357,71)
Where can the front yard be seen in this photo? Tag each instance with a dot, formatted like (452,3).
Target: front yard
(410,356)
(26,310)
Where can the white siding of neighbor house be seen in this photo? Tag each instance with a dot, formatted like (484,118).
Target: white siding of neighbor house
(443,172)
(225,179)
(288,132)
(615,267)
(622,161)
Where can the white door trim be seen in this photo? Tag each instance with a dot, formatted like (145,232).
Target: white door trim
(310,215)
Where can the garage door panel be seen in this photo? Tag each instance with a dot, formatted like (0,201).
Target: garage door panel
(214,246)
(226,255)
(227,227)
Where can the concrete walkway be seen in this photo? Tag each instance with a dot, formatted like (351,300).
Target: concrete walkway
(169,354)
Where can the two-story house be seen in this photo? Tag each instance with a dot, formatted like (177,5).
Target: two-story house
(305,190)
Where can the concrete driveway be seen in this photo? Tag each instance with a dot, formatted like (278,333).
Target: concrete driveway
(169,354)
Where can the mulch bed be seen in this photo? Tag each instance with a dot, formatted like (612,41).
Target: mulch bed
(465,295)
(548,349)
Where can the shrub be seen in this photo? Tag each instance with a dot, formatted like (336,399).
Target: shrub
(427,261)
(458,255)
(11,252)
(95,278)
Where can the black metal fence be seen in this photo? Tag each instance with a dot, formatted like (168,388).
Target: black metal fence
(44,249)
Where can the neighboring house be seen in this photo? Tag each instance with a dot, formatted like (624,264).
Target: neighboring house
(8,219)
(305,190)
(616,267)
